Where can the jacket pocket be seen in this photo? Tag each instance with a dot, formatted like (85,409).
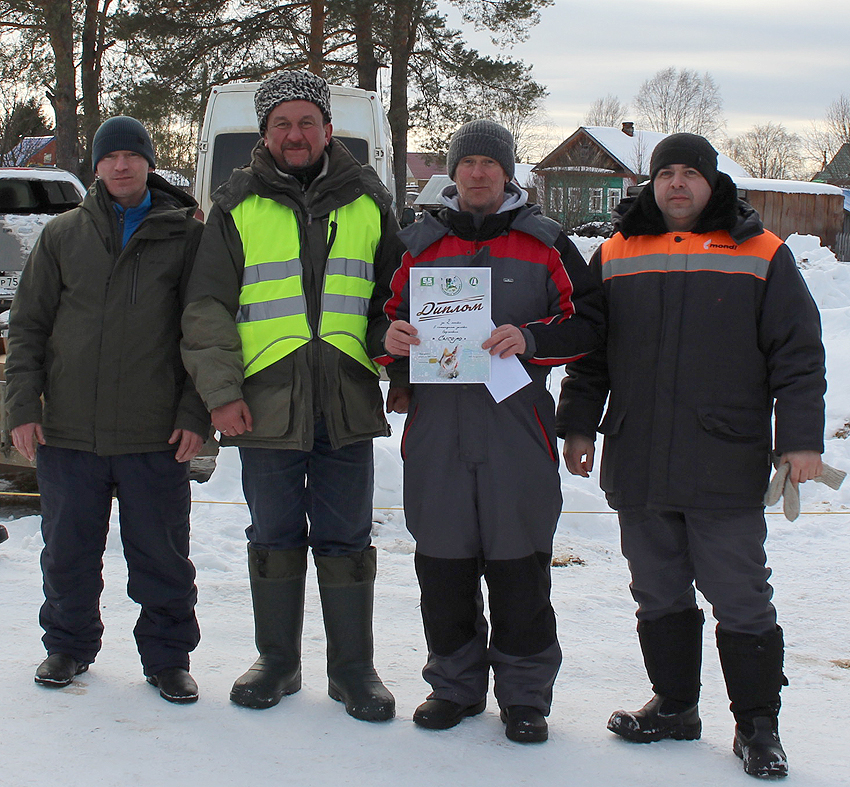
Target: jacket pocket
(733,451)
(360,399)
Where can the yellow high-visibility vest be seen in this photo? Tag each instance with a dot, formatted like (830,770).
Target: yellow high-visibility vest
(272,318)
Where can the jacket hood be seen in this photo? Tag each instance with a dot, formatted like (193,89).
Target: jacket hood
(526,218)
(641,216)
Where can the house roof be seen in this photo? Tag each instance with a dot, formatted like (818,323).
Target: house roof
(424,165)
(19,155)
(632,153)
(838,169)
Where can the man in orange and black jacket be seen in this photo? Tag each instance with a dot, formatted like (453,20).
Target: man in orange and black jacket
(711,332)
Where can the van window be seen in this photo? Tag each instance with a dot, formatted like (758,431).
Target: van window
(231,151)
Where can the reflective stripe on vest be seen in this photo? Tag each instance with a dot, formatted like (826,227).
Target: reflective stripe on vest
(272,319)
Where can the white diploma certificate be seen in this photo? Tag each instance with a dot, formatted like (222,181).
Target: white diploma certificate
(450,309)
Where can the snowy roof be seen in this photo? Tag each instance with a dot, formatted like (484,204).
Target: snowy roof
(40,173)
(26,149)
(786,186)
(430,194)
(634,152)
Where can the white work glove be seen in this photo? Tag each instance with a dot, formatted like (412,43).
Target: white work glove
(780,486)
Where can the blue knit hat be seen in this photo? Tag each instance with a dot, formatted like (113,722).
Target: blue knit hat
(121,133)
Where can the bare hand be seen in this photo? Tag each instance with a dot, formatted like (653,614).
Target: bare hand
(24,438)
(400,335)
(398,400)
(233,418)
(578,454)
(505,341)
(805,465)
(190,444)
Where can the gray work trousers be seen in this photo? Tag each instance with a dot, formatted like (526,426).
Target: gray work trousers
(721,551)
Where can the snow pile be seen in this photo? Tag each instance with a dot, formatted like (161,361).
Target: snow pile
(25,229)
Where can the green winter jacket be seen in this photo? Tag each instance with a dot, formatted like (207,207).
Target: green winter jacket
(95,329)
(316,379)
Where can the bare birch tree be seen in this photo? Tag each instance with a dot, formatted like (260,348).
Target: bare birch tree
(768,151)
(674,101)
(608,111)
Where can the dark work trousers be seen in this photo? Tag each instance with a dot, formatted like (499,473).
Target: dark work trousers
(153,504)
(722,551)
(523,650)
(482,496)
(332,489)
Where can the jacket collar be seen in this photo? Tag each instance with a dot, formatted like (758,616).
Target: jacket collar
(641,216)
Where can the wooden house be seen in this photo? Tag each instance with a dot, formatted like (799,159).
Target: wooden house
(585,177)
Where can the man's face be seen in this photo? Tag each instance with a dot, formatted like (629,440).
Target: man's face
(296,134)
(681,194)
(480,183)
(125,175)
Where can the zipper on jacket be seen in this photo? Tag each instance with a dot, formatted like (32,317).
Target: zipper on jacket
(134,287)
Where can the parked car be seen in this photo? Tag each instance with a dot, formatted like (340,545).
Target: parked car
(29,198)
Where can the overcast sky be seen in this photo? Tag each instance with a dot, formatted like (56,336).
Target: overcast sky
(779,60)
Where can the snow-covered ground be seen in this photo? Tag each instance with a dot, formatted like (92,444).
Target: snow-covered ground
(110,728)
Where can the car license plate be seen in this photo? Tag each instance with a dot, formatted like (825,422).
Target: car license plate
(9,282)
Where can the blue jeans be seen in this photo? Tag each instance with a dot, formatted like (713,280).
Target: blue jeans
(153,502)
(332,489)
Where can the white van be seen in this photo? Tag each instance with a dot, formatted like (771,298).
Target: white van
(230,132)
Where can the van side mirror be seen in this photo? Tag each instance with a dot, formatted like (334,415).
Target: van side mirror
(408,216)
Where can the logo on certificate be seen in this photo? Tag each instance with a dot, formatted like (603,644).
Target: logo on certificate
(451,285)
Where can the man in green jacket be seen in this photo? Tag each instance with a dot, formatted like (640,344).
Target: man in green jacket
(94,332)
(274,337)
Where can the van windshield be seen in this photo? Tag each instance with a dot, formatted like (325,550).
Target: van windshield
(231,151)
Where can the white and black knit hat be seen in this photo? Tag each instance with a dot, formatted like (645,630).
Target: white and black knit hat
(482,138)
(292,86)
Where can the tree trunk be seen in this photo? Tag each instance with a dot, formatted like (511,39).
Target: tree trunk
(90,71)
(315,54)
(59,24)
(405,26)
(367,63)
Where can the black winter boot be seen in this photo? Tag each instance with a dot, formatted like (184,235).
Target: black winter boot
(346,587)
(752,667)
(277,590)
(672,653)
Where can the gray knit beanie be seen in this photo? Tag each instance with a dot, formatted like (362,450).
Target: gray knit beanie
(482,138)
(691,150)
(291,86)
(121,133)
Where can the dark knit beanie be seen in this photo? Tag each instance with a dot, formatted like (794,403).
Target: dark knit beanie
(482,138)
(121,133)
(291,86)
(688,149)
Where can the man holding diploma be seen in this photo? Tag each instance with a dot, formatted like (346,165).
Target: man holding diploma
(481,488)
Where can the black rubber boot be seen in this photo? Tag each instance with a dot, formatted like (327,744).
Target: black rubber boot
(346,587)
(277,590)
(752,667)
(672,653)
